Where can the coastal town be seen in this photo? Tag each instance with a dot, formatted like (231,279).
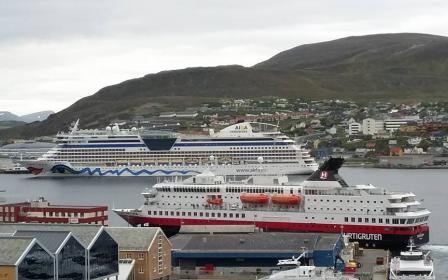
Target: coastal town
(381,134)
(223,140)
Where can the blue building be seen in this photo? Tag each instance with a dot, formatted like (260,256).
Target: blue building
(256,252)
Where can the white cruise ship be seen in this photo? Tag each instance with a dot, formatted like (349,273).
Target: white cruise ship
(375,217)
(240,149)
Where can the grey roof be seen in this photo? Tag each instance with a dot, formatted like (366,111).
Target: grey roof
(217,228)
(26,145)
(252,242)
(52,240)
(84,233)
(133,238)
(12,248)
(326,242)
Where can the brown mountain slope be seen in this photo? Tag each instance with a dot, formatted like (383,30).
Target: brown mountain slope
(395,67)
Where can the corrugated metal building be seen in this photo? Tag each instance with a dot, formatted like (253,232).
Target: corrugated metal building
(257,252)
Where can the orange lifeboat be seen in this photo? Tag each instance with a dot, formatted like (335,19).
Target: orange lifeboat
(215,201)
(288,199)
(259,198)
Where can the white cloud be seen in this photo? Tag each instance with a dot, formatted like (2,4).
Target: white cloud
(52,53)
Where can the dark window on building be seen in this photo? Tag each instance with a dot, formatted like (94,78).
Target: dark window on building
(103,257)
(71,260)
(37,264)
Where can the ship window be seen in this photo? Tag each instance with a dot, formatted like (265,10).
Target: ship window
(237,215)
(359,220)
(195,214)
(353,220)
(172,213)
(231,215)
(410,221)
(366,220)
(207,214)
(160,213)
(387,221)
(219,215)
(243,215)
(177,213)
(201,214)
(213,215)
(373,220)
(402,221)
(395,221)
(189,214)
(166,213)
(149,212)
(224,215)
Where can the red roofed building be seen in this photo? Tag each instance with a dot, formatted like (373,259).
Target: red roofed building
(40,211)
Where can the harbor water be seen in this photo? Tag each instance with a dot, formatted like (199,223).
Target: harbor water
(430,186)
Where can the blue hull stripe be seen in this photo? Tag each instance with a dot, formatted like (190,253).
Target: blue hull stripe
(175,145)
(60,168)
(230,144)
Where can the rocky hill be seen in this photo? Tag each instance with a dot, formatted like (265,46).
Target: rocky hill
(397,67)
(33,117)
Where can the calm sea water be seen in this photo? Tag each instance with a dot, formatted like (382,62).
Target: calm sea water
(431,186)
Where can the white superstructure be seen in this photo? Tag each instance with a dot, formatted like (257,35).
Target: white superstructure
(240,149)
(412,265)
(323,203)
(308,273)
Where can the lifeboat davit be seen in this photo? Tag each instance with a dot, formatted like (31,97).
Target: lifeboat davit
(215,201)
(259,198)
(288,199)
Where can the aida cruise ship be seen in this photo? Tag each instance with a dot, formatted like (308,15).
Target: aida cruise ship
(324,202)
(244,148)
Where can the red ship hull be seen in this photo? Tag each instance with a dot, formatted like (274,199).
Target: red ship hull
(367,236)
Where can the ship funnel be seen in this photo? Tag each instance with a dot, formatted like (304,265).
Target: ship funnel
(328,171)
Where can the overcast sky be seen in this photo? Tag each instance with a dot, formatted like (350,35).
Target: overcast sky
(52,53)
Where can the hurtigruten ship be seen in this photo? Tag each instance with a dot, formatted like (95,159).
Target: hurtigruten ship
(323,203)
(240,149)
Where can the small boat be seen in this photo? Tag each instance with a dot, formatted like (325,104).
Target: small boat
(16,169)
(259,198)
(288,199)
(309,273)
(412,265)
(302,272)
(215,201)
